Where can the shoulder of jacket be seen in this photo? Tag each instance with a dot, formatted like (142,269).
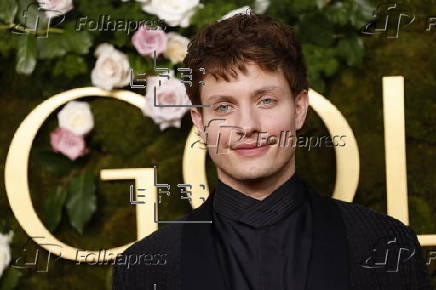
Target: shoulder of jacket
(162,239)
(370,232)
(149,259)
(366,220)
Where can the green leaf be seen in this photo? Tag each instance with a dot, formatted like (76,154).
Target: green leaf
(355,12)
(315,81)
(320,59)
(58,44)
(10,279)
(54,162)
(360,12)
(330,67)
(120,38)
(51,47)
(8,9)
(337,13)
(211,12)
(315,28)
(321,3)
(82,201)
(70,66)
(303,5)
(351,49)
(53,206)
(78,42)
(26,54)
(141,65)
(126,11)
(8,43)
(287,9)
(320,62)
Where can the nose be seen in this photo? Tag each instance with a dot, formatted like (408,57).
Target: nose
(248,124)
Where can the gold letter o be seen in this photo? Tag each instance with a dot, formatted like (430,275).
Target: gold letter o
(16,171)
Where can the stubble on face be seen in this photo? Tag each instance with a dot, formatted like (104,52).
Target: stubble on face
(247,118)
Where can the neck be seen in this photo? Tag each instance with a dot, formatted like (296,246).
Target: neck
(262,187)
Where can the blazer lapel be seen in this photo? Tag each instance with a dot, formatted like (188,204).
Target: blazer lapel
(200,269)
(328,267)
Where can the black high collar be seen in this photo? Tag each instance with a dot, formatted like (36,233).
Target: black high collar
(237,206)
(328,267)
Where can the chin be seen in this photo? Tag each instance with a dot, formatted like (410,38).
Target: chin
(249,173)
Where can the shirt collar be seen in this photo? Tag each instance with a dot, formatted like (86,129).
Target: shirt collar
(235,205)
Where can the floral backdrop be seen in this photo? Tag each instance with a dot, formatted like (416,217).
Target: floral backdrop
(50,46)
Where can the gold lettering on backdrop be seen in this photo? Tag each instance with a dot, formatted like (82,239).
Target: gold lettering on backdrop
(395,152)
(395,148)
(16,181)
(142,176)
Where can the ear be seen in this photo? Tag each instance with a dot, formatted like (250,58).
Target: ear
(301,103)
(197,120)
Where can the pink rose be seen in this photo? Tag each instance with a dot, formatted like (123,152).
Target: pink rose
(171,92)
(71,145)
(146,41)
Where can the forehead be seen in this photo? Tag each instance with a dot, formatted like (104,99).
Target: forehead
(254,78)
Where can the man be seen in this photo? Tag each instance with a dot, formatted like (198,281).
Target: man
(270,229)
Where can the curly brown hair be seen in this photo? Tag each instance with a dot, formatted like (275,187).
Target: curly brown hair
(224,45)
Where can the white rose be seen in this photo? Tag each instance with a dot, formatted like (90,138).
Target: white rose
(171,92)
(112,69)
(53,8)
(177,47)
(260,6)
(77,117)
(5,251)
(174,12)
(242,10)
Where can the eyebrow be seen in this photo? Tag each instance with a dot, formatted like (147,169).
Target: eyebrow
(253,94)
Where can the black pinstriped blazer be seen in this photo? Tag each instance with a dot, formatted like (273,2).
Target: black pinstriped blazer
(372,249)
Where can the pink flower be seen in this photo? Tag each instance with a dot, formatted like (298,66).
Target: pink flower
(71,145)
(171,92)
(146,41)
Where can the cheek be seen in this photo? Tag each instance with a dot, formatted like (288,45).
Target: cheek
(274,124)
(221,139)
(210,136)
(215,135)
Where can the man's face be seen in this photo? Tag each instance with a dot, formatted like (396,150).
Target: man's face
(255,107)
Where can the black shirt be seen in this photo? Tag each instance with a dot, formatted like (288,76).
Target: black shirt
(337,252)
(263,244)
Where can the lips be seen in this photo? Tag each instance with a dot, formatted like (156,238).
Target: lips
(253,144)
(246,146)
(250,150)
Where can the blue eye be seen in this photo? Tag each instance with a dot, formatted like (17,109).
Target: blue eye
(220,106)
(268,103)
